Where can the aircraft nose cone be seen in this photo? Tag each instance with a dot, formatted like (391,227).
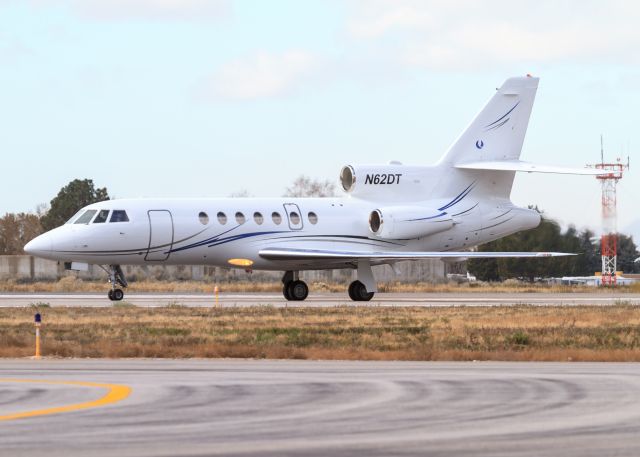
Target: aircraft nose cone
(39,246)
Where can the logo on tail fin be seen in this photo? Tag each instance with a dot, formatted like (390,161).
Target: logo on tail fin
(479,144)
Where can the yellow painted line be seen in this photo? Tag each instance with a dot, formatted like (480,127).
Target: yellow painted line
(117,392)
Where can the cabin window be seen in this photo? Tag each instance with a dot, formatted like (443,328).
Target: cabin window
(102,216)
(119,215)
(86,217)
(204,218)
(222,218)
(277,219)
(240,218)
(294,217)
(257,217)
(313,217)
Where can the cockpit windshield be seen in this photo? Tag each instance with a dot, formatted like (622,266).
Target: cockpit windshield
(86,217)
(102,216)
(74,217)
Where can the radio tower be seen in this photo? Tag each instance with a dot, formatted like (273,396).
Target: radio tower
(609,240)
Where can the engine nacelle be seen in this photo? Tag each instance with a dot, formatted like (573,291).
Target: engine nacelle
(408,222)
(387,182)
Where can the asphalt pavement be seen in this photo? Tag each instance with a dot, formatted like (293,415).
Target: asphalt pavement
(327,299)
(310,408)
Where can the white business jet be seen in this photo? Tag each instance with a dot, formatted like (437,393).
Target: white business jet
(390,213)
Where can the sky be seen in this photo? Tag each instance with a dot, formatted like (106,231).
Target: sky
(196,98)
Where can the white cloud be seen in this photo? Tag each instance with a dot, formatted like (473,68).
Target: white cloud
(466,34)
(144,9)
(262,75)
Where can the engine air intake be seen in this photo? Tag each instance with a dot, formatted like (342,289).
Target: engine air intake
(347,178)
(375,221)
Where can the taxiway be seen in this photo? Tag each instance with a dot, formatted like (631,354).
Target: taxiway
(327,299)
(277,408)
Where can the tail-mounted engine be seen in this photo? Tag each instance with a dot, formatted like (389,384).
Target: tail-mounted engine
(407,222)
(387,182)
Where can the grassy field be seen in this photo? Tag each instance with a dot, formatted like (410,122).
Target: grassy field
(73,284)
(351,332)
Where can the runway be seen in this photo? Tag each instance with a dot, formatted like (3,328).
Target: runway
(327,299)
(290,408)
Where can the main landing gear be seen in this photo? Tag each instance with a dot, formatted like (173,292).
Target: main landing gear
(363,289)
(116,278)
(293,288)
(358,292)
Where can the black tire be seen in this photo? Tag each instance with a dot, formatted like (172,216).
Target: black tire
(352,295)
(285,291)
(364,295)
(298,290)
(358,292)
(110,294)
(118,294)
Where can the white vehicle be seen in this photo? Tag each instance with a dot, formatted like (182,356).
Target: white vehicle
(390,213)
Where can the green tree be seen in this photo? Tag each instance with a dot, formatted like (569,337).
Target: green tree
(627,253)
(70,199)
(590,260)
(547,236)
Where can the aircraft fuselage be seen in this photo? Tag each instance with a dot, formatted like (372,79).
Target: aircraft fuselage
(219,231)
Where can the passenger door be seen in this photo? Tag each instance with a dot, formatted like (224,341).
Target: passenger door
(160,235)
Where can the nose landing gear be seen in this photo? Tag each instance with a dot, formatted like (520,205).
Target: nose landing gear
(115,294)
(116,278)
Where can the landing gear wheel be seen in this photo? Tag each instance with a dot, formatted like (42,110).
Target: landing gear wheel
(116,278)
(351,293)
(117,294)
(285,291)
(298,290)
(358,292)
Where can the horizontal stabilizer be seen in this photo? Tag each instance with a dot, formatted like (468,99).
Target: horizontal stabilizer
(519,165)
(328,254)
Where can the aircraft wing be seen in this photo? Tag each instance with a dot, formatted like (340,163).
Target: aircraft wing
(519,165)
(329,254)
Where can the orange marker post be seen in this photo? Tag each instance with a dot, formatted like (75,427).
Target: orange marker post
(37,321)
(216,290)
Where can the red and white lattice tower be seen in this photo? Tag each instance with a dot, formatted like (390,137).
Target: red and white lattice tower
(609,240)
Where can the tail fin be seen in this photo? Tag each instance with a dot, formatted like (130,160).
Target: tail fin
(497,132)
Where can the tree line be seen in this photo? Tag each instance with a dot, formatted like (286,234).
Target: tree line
(548,236)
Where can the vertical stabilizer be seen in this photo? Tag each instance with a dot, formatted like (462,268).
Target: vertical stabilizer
(497,132)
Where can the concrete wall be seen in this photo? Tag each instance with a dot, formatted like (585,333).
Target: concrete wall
(29,268)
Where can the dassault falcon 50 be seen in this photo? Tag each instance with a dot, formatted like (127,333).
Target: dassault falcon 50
(389,213)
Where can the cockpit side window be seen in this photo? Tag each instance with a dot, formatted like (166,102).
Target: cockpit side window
(119,215)
(101,217)
(86,217)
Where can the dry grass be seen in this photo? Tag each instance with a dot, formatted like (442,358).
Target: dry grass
(348,332)
(73,284)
